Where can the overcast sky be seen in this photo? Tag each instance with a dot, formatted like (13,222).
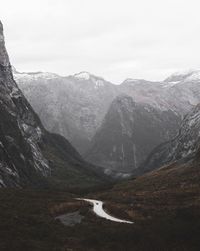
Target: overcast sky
(115,39)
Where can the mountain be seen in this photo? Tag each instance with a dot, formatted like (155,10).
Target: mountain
(129,132)
(72,106)
(29,155)
(148,92)
(75,106)
(187,76)
(184,147)
(164,204)
(179,92)
(184,90)
(165,199)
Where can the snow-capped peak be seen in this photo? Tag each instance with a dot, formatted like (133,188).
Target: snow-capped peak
(185,76)
(29,76)
(82,75)
(194,76)
(97,82)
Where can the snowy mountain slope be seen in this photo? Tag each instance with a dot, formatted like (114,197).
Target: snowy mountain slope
(187,76)
(179,92)
(72,106)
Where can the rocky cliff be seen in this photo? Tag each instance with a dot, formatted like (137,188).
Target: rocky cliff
(29,155)
(128,134)
(184,147)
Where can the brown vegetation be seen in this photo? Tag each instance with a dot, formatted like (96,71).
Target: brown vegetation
(164,204)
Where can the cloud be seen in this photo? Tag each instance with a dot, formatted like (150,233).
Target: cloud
(113,39)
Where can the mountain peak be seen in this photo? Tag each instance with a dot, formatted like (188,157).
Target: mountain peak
(93,80)
(84,75)
(4,60)
(185,76)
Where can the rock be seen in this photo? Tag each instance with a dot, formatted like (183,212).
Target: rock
(128,134)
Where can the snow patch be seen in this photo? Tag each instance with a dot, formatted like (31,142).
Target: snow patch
(11,172)
(171,84)
(99,83)
(194,76)
(185,76)
(2,183)
(82,76)
(23,77)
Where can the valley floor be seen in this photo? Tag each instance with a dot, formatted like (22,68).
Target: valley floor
(165,211)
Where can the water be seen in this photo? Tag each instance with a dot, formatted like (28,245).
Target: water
(98,210)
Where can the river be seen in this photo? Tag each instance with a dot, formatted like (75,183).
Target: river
(98,210)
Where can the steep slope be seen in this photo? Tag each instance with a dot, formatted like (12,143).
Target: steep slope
(72,106)
(128,134)
(29,155)
(183,147)
(166,200)
(166,204)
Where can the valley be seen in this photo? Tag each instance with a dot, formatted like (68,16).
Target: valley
(163,205)
(88,165)
(112,126)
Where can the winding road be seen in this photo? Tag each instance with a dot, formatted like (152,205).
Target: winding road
(98,210)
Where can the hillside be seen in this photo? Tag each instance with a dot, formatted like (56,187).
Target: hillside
(181,148)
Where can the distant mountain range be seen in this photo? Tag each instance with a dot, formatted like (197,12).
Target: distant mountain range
(72,106)
(77,106)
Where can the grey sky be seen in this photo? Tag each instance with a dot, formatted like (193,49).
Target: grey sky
(115,39)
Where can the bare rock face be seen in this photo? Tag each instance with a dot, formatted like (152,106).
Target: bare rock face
(4,60)
(29,155)
(184,147)
(20,130)
(128,134)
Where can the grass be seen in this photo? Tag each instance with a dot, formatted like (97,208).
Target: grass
(164,205)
